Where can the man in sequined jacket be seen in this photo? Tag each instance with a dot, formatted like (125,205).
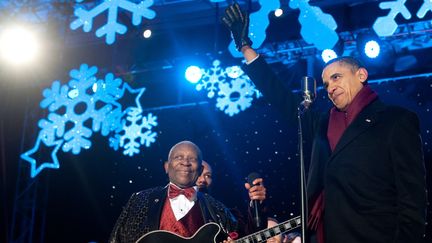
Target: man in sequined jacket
(177,207)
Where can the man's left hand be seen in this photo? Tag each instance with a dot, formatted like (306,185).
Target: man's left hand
(257,191)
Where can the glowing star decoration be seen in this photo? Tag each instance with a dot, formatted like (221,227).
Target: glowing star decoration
(38,166)
(386,26)
(317,28)
(132,92)
(112,27)
(87,98)
(234,89)
(259,21)
(426,6)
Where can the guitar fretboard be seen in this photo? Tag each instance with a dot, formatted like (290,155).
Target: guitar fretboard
(266,234)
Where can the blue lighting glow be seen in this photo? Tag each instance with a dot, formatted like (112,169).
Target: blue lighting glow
(193,74)
(372,49)
(328,54)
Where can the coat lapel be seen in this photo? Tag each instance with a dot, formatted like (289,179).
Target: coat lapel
(365,119)
(156,202)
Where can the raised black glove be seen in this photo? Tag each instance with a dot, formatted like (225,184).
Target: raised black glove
(238,23)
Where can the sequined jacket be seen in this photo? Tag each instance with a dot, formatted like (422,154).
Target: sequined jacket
(143,211)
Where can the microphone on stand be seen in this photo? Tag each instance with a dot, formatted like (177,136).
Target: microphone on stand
(308,89)
(256,205)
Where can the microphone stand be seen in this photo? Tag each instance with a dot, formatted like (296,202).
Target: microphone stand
(303,199)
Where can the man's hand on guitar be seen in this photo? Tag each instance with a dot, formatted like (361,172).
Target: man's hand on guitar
(229,240)
(257,191)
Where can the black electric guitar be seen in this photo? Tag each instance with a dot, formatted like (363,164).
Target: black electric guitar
(208,233)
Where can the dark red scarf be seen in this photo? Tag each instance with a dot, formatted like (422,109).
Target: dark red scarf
(338,123)
(340,120)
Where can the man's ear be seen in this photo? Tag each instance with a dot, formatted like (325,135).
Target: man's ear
(363,74)
(166,166)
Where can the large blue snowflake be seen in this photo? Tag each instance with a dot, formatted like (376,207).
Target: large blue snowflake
(235,96)
(234,89)
(86,105)
(112,27)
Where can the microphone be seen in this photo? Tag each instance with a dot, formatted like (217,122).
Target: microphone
(308,89)
(256,205)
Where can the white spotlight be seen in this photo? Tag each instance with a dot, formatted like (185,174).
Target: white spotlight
(328,54)
(372,49)
(18,45)
(278,12)
(193,74)
(147,33)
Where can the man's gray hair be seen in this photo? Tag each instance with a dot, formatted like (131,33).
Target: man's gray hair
(189,143)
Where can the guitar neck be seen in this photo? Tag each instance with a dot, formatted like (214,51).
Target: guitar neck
(266,234)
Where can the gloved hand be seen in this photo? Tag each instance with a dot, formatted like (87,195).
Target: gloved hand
(238,23)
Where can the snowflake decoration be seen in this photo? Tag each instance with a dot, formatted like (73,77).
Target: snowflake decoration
(135,131)
(112,27)
(426,6)
(82,100)
(211,79)
(317,27)
(386,26)
(234,89)
(235,96)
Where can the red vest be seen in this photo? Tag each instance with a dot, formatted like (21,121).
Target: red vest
(186,226)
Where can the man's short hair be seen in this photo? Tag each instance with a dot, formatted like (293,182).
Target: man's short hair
(354,63)
(199,153)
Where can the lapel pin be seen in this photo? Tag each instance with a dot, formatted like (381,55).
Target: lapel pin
(156,200)
(368,120)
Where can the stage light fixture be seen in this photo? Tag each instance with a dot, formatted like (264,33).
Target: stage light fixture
(278,12)
(336,51)
(18,45)
(193,74)
(328,54)
(372,49)
(147,33)
(369,45)
(377,54)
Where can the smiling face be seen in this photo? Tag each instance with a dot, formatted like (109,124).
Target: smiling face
(184,164)
(343,81)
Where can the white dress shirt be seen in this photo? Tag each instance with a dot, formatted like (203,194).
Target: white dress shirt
(180,205)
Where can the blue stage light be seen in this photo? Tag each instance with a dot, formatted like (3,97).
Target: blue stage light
(193,74)
(372,49)
(328,54)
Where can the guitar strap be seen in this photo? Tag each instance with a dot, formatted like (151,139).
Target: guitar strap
(214,216)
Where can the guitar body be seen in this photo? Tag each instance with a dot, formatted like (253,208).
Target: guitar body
(206,234)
